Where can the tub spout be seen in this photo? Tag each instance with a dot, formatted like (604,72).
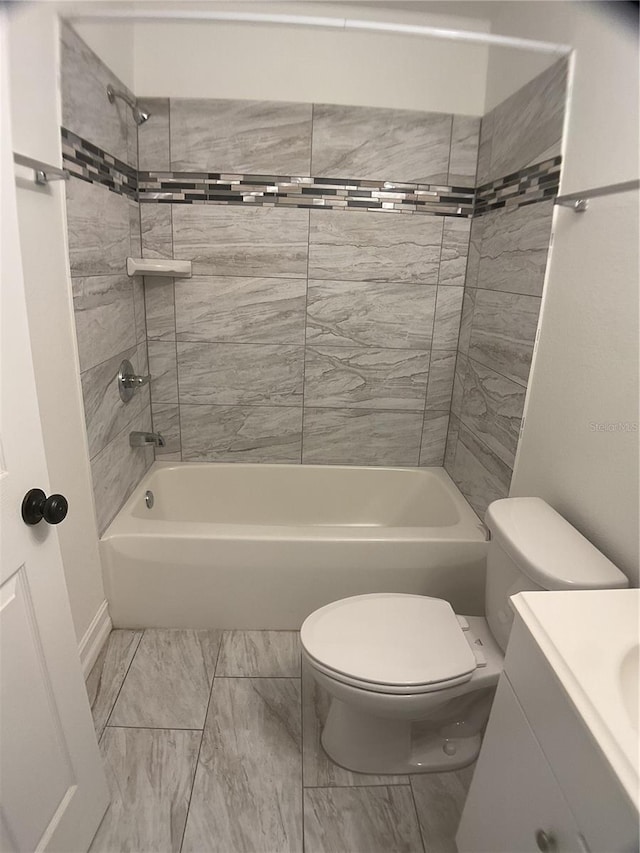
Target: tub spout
(144,439)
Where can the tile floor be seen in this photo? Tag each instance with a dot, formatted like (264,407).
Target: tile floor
(211,742)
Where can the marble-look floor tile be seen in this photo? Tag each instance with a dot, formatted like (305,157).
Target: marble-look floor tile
(319,769)
(166,421)
(479,474)
(492,409)
(169,681)
(159,298)
(440,387)
(439,799)
(361,820)
(241,433)
(240,374)
(248,788)
(465,139)
(504,331)
(434,438)
(356,313)
(515,246)
(365,377)
(259,654)
(98,229)
(236,309)
(118,468)
(446,326)
(108,673)
(153,137)
(104,317)
(366,246)
(238,136)
(229,240)
(455,249)
(163,367)
(150,774)
(156,231)
(371,143)
(361,437)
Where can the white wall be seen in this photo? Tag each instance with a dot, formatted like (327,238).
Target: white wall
(36,126)
(225,60)
(113,43)
(586,366)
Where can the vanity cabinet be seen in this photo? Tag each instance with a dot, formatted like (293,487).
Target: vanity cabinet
(541,782)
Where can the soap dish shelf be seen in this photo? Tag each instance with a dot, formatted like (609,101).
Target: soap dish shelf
(158,267)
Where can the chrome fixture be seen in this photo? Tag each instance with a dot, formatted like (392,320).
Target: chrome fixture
(42,172)
(149,499)
(579,202)
(146,439)
(128,381)
(139,115)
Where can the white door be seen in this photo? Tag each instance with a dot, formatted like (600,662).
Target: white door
(53,790)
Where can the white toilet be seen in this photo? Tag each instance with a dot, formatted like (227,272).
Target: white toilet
(411,683)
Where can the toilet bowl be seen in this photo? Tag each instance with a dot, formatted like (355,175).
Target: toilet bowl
(411,683)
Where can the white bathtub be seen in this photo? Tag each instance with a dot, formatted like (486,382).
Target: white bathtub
(262,546)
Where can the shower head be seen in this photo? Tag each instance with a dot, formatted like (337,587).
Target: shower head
(139,115)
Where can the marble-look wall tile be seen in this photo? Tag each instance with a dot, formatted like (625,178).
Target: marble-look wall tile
(492,409)
(434,438)
(365,377)
(515,245)
(439,799)
(156,231)
(108,673)
(139,309)
(248,786)
(259,654)
(98,228)
(153,137)
(169,681)
(259,137)
(504,331)
(134,228)
(466,320)
(163,368)
(366,246)
(118,469)
(228,240)
(361,820)
(85,108)
(479,474)
(455,248)
(446,326)
(104,412)
(370,143)
(241,433)
(440,387)
(240,374)
(159,297)
(452,442)
(241,310)
(527,123)
(150,774)
(483,172)
(465,139)
(166,420)
(347,313)
(104,316)
(361,437)
(457,398)
(475,248)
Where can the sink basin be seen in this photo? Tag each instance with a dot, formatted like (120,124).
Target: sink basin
(630,684)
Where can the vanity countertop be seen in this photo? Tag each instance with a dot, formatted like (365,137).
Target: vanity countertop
(591,640)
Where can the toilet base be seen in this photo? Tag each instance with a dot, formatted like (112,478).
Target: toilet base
(366,744)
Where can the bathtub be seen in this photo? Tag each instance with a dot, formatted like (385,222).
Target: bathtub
(262,546)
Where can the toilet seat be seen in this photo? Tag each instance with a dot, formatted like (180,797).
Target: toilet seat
(389,643)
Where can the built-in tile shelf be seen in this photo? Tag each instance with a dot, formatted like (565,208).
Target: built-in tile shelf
(158,267)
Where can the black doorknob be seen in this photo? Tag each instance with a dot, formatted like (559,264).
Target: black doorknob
(36,506)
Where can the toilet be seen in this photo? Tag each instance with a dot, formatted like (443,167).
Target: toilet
(411,682)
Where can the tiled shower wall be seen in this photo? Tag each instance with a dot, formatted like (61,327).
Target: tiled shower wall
(305,335)
(510,238)
(103,229)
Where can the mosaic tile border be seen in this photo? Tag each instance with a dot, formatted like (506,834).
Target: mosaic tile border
(90,163)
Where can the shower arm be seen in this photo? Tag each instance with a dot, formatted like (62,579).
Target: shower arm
(113,93)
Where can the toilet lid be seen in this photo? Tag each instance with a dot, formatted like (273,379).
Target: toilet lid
(389,638)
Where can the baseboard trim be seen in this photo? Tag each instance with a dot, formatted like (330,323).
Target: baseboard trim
(94,639)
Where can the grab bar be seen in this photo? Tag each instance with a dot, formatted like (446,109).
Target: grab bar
(42,172)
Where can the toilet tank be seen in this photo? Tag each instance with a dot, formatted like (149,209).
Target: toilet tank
(533,547)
